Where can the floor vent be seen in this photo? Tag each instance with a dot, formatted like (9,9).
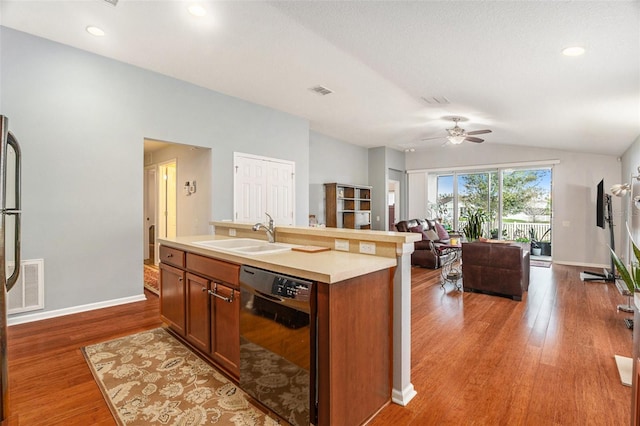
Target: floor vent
(28,292)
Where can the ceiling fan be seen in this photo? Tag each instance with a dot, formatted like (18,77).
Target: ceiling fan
(457,134)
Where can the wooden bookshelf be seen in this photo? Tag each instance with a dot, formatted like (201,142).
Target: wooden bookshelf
(348,206)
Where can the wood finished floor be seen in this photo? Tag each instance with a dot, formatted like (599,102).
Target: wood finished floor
(476,359)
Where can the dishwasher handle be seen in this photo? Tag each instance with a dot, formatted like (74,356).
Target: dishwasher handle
(269,296)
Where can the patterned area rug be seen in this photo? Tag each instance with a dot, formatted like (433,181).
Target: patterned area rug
(151,279)
(150,378)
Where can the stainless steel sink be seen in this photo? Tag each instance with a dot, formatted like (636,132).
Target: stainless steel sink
(245,246)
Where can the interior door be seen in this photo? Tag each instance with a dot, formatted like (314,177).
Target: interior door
(167,203)
(149,212)
(263,185)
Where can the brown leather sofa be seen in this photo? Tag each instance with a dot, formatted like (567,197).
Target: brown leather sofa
(496,268)
(425,253)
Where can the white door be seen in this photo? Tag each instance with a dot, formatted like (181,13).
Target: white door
(263,185)
(150,191)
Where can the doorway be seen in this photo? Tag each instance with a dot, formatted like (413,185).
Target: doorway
(150,213)
(394,204)
(167,220)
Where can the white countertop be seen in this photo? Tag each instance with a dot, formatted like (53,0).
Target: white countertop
(327,266)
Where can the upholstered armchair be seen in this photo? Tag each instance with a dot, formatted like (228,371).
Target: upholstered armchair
(426,252)
(496,268)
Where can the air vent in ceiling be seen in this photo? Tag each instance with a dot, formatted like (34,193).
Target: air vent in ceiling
(436,100)
(321,90)
(112,2)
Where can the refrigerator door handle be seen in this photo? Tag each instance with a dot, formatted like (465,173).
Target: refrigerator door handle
(11,141)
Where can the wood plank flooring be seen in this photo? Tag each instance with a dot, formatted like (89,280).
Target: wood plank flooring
(488,360)
(476,359)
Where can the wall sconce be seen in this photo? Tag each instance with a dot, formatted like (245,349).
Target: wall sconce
(189,188)
(622,189)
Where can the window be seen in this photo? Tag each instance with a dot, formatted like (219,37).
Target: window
(517,201)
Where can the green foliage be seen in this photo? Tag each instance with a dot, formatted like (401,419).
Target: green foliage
(631,278)
(533,236)
(519,191)
(475,220)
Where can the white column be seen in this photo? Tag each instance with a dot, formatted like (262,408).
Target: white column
(403,390)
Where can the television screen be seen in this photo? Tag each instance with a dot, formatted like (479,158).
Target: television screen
(600,205)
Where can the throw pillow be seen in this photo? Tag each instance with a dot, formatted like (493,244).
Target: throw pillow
(416,229)
(429,234)
(442,233)
(432,235)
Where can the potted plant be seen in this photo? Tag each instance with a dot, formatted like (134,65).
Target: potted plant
(536,249)
(630,277)
(475,223)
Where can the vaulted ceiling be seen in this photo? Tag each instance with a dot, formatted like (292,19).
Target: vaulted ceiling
(396,68)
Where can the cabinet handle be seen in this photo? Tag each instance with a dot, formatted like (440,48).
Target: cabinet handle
(169,255)
(180,279)
(215,293)
(204,289)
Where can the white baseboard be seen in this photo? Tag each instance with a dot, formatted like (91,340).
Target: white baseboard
(22,319)
(402,397)
(581,264)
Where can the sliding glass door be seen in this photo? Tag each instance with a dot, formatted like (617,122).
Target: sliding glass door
(517,202)
(479,191)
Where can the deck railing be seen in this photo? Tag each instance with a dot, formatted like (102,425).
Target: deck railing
(515,230)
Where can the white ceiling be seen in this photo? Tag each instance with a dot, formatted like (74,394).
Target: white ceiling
(497,62)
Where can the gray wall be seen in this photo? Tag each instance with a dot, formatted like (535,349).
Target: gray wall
(332,160)
(629,213)
(81,120)
(576,239)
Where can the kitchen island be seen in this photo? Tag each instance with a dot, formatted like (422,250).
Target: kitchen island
(353,303)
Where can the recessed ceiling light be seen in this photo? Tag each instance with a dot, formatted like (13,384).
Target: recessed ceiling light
(95,31)
(197,10)
(573,51)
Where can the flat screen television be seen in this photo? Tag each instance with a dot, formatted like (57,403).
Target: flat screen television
(603,215)
(600,205)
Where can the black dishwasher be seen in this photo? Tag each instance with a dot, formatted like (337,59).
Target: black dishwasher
(278,343)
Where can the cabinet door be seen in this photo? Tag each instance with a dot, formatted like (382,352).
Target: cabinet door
(198,312)
(172,297)
(225,327)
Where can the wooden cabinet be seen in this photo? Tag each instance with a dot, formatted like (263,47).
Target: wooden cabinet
(225,327)
(201,302)
(197,327)
(172,297)
(347,206)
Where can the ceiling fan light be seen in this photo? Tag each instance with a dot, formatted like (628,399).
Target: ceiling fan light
(456,140)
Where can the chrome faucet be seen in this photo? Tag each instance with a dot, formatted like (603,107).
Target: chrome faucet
(269,229)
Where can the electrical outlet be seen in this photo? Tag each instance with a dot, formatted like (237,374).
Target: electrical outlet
(342,245)
(367,248)
(232,232)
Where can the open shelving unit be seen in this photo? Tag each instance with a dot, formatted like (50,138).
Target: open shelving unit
(348,206)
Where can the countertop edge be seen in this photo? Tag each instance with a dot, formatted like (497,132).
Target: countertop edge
(339,266)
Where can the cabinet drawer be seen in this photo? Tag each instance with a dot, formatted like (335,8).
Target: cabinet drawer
(214,269)
(172,256)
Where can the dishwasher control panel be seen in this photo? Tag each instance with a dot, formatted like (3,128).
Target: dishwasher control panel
(291,289)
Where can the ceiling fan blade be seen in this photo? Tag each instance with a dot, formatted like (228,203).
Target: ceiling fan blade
(478,132)
(472,139)
(435,137)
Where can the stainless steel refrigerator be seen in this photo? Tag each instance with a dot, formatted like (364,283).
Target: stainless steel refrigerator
(10,159)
